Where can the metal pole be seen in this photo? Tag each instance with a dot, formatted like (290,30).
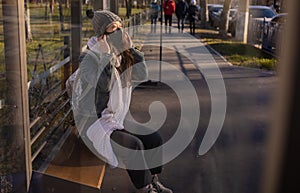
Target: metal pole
(66,69)
(160,40)
(16,166)
(282,163)
(61,16)
(76,32)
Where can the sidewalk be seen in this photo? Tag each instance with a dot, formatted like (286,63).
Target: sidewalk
(241,143)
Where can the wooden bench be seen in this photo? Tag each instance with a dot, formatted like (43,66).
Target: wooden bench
(74,169)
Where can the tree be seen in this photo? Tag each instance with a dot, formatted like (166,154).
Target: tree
(46,10)
(203,13)
(52,3)
(67,4)
(49,8)
(128,4)
(27,22)
(225,18)
(61,16)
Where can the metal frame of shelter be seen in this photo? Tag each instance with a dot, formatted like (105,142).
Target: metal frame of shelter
(283,159)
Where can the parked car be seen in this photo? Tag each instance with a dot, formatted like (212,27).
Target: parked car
(212,9)
(279,18)
(257,11)
(257,15)
(273,31)
(216,19)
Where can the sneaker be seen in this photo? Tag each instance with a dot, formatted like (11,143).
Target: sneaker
(147,189)
(159,187)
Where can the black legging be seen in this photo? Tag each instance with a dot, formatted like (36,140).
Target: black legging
(168,18)
(139,178)
(192,26)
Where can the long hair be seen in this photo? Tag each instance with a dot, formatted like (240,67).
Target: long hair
(124,69)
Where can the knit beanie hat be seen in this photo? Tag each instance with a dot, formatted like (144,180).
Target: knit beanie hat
(102,19)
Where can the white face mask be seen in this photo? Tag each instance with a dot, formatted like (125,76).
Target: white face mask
(115,39)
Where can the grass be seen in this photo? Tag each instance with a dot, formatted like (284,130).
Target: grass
(238,53)
(46,31)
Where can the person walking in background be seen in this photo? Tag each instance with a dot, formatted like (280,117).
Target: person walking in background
(154,11)
(169,8)
(193,12)
(181,11)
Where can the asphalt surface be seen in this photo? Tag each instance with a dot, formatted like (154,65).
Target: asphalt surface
(235,162)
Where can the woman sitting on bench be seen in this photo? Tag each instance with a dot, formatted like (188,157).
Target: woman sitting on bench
(101,98)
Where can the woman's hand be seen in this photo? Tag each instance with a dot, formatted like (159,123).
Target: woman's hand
(103,45)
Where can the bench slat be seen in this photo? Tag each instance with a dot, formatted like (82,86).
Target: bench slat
(75,162)
(87,175)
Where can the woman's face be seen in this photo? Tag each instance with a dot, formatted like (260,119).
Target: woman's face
(117,37)
(113,27)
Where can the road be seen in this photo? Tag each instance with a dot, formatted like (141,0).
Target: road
(235,162)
